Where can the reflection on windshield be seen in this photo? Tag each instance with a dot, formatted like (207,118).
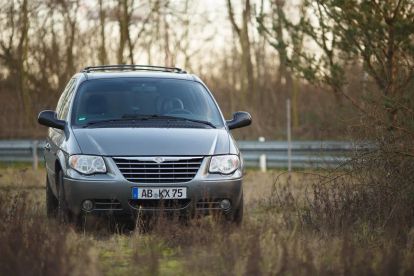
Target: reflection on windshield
(112,99)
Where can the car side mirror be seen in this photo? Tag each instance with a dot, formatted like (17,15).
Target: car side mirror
(240,119)
(49,118)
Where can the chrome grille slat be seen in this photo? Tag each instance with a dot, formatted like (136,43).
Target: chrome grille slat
(163,178)
(158,173)
(170,170)
(161,168)
(153,163)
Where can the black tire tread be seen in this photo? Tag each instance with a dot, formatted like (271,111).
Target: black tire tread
(63,213)
(238,213)
(51,201)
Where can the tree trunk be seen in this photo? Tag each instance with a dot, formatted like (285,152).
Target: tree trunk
(102,56)
(167,52)
(247,76)
(22,52)
(123,20)
(246,49)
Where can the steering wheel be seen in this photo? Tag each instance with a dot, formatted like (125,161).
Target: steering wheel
(179,111)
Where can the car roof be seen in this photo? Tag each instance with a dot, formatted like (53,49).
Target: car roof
(135,74)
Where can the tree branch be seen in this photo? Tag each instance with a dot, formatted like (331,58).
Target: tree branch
(231,17)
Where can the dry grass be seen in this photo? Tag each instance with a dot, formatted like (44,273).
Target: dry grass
(276,238)
(21,177)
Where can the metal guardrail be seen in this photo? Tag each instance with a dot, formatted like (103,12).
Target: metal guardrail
(305,154)
(21,150)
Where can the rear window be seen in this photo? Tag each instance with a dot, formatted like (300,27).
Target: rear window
(104,99)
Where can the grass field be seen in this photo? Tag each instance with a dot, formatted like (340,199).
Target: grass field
(274,239)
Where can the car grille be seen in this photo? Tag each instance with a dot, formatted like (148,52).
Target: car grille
(146,170)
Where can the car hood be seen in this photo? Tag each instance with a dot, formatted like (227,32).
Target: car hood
(152,141)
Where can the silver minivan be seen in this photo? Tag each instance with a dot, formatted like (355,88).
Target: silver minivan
(134,138)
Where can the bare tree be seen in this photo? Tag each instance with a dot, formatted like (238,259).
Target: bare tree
(275,34)
(102,56)
(35,68)
(242,32)
(15,57)
(125,10)
(69,13)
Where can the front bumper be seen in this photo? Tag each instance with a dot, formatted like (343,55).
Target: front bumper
(112,193)
(118,195)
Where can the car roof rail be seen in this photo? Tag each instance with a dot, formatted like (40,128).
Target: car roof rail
(132,67)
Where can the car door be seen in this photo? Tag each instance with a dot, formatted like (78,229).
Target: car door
(56,136)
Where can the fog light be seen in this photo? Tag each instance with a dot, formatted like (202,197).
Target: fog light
(87,205)
(225,204)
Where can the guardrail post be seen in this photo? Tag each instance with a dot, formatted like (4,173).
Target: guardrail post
(35,159)
(262,158)
(289,136)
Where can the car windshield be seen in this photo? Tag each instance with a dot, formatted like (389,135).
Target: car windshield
(121,99)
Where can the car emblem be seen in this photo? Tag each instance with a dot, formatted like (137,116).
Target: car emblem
(158,159)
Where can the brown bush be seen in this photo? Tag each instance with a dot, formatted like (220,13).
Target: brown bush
(294,231)
(30,245)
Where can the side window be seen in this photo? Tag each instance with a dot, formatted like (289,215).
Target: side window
(63,104)
(66,103)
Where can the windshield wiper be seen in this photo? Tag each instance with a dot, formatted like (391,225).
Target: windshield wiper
(134,117)
(156,116)
(108,121)
(197,121)
(124,118)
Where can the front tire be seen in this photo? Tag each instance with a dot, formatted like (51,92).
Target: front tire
(51,201)
(63,213)
(238,213)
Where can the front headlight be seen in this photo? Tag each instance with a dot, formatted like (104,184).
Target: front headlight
(224,164)
(87,164)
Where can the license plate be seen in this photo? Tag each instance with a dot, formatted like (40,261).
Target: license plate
(158,193)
